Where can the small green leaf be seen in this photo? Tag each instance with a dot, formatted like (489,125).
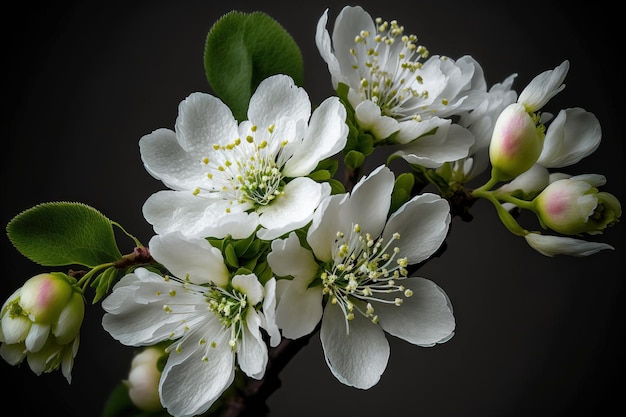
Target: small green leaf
(354,159)
(64,233)
(230,256)
(241,50)
(401,190)
(320,175)
(336,186)
(103,283)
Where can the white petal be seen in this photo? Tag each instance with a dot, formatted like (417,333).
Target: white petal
(277,97)
(573,135)
(165,160)
(325,225)
(14,354)
(543,87)
(299,308)
(450,142)
(326,135)
(349,23)
(194,258)
(249,284)
(203,120)
(134,310)
(190,385)
(371,119)
(284,252)
(530,182)
(251,350)
(423,225)
(373,192)
(293,209)
(558,245)
(323,43)
(268,319)
(37,336)
(357,358)
(423,319)
(169,211)
(410,130)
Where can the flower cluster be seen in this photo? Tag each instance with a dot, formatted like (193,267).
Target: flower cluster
(257,243)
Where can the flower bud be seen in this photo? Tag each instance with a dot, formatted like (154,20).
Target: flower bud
(143,380)
(41,322)
(516,142)
(572,206)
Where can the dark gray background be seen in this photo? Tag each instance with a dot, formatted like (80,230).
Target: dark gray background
(83,81)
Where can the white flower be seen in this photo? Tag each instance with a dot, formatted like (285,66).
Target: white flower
(209,323)
(394,88)
(227,178)
(355,280)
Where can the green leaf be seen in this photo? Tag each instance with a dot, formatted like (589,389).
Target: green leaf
(401,190)
(230,256)
(241,50)
(64,233)
(103,283)
(354,159)
(320,175)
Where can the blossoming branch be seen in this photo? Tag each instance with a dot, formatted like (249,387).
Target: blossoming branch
(270,229)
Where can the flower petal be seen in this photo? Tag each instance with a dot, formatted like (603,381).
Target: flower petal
(357,358)
(293,209)
(373,192)
(251,350)
(169,211)
(204,120)
(194,258)
(325,225)
(543,87)
(371,119)
(558,245)
(572,135)
(189,383)
(165,160)
(431,319)
(277,97)
(450,142)
(423,225)
(326,135)
(249,284)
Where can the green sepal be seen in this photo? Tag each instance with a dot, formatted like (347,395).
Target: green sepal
(103,283)
(64,233)
(336,186)
(402,189)
(241,50)
(320,176)
(354,159)
(230,256)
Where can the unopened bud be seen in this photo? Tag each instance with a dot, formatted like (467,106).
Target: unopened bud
(143,379)
(516,142)
(573,206)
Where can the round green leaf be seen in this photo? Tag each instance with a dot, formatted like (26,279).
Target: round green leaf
(64,233)
(241,50)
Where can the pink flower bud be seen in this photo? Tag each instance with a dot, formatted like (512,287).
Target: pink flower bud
(44,296)
(572,206)
(516,142)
